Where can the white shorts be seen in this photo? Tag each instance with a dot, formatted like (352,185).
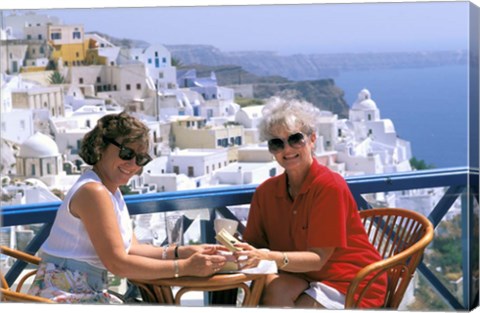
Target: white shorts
(327,296)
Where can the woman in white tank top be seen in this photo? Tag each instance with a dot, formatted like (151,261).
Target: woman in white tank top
(92,232)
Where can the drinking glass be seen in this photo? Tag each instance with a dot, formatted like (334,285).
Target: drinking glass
(174,227)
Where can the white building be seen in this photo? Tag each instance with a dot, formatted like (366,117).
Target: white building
(39,156)
(250,118)
(368,144)
(197,162)
(158,64)
(30,25)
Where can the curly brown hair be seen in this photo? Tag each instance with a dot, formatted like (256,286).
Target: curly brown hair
(112,126)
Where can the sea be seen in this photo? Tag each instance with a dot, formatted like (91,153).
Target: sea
(428,107)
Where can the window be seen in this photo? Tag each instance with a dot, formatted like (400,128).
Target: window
(99,80)
(29,37)
(190,171)
(149,61)
(56,36)
(40,37)
(369,117)
(160,75)
(156,53)
(139,86)
(77,35)
(164,60)
(77,54)
(176,169)
(128,86)
(42,49)
(80,80)
(49,168)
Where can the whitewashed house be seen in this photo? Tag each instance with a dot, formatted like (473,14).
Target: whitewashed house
(368,144)
(249,117)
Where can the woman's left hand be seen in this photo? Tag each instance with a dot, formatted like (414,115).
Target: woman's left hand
(249,256)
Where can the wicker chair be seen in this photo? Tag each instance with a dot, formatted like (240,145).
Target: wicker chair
(9,295)
(400,236)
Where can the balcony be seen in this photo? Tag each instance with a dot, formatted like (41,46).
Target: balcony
(455,217)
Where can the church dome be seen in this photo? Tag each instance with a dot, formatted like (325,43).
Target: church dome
(38,146)
(364,101)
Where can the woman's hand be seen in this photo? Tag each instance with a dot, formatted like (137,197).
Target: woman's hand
(249,256)
(201,265)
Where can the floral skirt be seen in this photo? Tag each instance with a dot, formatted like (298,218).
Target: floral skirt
(68,286)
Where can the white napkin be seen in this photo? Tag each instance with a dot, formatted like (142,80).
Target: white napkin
(264,267)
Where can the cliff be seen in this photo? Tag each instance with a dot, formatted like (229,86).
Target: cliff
(312,66)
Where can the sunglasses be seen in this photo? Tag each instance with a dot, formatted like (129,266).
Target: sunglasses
(127,154)
(295,141)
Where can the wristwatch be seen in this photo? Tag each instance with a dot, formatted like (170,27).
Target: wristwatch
(285,260)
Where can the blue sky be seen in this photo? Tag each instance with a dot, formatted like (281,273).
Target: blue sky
(287,28)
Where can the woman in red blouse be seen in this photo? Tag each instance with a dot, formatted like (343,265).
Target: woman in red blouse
(305,219)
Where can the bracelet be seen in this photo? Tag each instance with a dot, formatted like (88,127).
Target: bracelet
(164,252)
(176,269)
(175,252)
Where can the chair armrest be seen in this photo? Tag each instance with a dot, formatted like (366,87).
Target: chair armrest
(19,255)
(398,261)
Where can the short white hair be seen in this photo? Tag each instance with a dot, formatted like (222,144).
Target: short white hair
(288,115)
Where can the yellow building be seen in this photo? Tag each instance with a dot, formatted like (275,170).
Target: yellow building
(69,46)
(192,132)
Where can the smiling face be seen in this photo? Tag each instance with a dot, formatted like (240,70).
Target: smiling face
(298,158)
(114,171)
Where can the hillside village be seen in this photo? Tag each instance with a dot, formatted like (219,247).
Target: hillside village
(57,81)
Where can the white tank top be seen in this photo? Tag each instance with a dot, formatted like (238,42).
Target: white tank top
(68,237)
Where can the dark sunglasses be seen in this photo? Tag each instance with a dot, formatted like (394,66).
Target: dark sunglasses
(127,154)
(295,141)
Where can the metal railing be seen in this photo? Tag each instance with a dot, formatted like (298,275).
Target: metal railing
(460,183)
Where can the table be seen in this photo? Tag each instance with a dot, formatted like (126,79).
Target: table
(160,290)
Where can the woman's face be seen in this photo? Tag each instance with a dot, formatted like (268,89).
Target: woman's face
(297,154)
(115,171)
